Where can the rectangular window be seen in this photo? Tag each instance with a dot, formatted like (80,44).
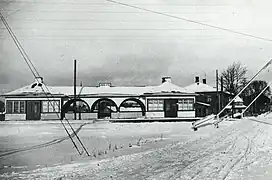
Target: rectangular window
(15,107)
(50,106)
(209,99)
(22,106)
(155,105)
(57,106)
(186,104)
(9,107)
(44,106)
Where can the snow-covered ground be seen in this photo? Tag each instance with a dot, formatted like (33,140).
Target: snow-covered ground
(239,149)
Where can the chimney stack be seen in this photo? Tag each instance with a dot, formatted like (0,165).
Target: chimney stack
(204,81)
(166,79)
(196,79)
(108,84)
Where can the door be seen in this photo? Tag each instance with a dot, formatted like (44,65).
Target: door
(103,110)
(170,108)
(33,110)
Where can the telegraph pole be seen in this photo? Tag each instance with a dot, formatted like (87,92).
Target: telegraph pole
(217,95)
(75,62)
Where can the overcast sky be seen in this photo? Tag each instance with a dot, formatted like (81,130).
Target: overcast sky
(128,46)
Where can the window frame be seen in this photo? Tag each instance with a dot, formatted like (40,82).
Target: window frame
(157,105)
(186,104)
(10,109)
(49,108)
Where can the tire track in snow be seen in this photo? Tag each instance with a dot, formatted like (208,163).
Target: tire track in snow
(247,151)
(50,143)
(196,155)
(238,160)
(209,164)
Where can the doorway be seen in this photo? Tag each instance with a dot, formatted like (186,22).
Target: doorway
(104,110)
(33,110)
(171,108)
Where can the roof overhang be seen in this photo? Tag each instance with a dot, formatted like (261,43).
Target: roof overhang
(203,104)
(32,95)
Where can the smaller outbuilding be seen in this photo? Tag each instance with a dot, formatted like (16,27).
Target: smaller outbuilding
(211,100)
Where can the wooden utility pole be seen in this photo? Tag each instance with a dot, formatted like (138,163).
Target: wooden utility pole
(75,89)
(217,95)
(222,93)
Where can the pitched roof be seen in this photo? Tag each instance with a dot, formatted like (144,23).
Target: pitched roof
(238,99)
(200,87)
(168,87)
(69,90)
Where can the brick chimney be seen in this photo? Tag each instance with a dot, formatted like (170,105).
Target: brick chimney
(197,79)
(166,79)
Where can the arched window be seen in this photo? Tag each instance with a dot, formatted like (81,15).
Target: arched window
(132,105)
(81,107)
(104,107)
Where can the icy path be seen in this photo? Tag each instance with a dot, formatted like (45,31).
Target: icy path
(242,150)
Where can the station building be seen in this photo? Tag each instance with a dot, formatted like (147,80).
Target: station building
(39,102)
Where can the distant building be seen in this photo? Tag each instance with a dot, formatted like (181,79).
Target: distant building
(36,102)
(210,101)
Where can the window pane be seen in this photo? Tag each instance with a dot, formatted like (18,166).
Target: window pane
(51,105)
(160,105)
(57,106)
(9,107)
(45,106)
(150,105)
(186,104)
(16,107)
(22,106)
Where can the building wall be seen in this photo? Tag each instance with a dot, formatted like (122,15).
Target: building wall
(84,116)
(214,102)
(155,114)
(22,116)
(117,101)
(186,114)
(115,115)
(29,99)
(15,117)
(129,115)
(50,116)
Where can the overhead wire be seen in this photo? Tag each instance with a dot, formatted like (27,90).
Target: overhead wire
(189,20)
(74,132)
(37,75)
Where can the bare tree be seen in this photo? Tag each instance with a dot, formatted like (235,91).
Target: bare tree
(234,77)
(252,91)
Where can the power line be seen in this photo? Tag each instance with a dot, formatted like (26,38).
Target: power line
(191,21)
(111,29)
(37,75)
(103,4)
(86,20)
(101,11)
(74,132)
(17,44)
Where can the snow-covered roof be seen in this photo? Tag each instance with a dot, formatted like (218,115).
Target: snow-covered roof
(200,87)
(103,90)
(236,106)
(238,99)
(168,87)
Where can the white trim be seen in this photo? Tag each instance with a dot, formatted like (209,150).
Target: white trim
(32,98)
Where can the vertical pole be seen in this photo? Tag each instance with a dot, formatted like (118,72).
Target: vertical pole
(75,89)
(222,93)
(217,96)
